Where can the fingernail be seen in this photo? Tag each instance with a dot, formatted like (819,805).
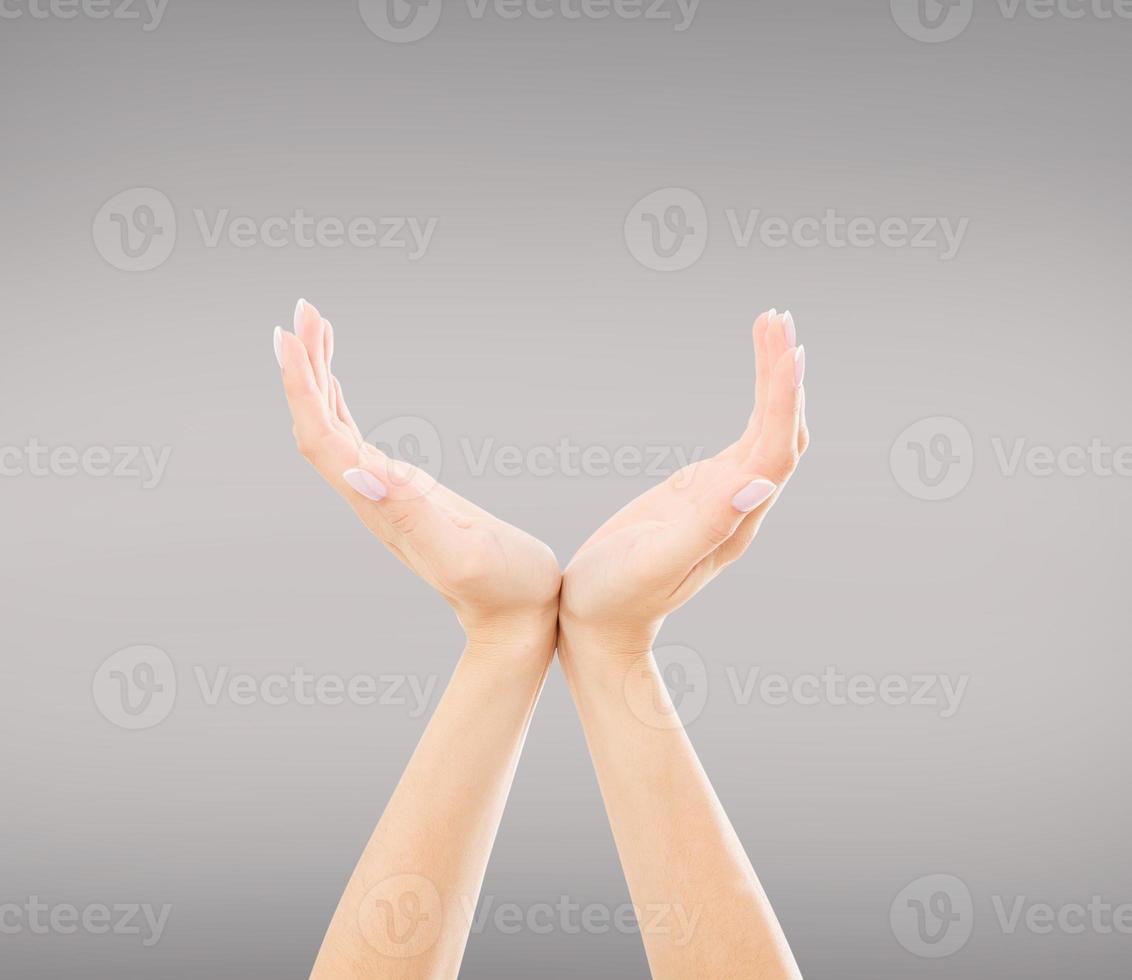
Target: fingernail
(799,366)
(368,485)
(788,329)
(278,340)
(300,313)
(770,315)
(753,494)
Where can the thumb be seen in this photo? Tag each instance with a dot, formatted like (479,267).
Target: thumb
(392,497)
(717,517)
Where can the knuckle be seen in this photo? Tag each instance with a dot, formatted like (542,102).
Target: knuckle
(718,531)
(304,441)
(310,437)
(781,467)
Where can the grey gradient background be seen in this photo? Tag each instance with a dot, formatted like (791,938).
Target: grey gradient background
(529,320)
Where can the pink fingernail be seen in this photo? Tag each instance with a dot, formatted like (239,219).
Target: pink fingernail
(300,313)
(788,329)
(753,494)
(278,340)
(368,485)
(799,366)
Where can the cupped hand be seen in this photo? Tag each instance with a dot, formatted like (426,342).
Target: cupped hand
(494,575)
(662,548)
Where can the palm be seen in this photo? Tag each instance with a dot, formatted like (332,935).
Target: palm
(638,559)
(476,561)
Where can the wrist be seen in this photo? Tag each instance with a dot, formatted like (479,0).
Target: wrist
(526,636)
(587,645)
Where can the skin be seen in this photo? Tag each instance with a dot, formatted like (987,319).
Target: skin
(406,911)
(681,856)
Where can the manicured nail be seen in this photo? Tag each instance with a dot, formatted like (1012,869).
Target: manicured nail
(788,329)
(753,494)
(770,315)
(799,366)
(368,485)
(279,345)
(300,313)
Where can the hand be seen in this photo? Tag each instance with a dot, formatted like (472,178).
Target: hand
(663,547)
(494,575)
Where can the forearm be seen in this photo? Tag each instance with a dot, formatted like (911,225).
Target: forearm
(702,910)
(428,854)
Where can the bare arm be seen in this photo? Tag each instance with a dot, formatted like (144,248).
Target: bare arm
(407,909)
(702,910)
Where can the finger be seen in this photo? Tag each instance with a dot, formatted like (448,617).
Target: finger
(319,439)
(309,329)
(741,540)
(778,335)
(776,453)
(803,429)
(343,410)
(762,363)
(713,520)
(382,490)
(328,355)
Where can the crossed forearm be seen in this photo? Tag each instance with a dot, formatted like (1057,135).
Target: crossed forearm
(407,910)
(701,909)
